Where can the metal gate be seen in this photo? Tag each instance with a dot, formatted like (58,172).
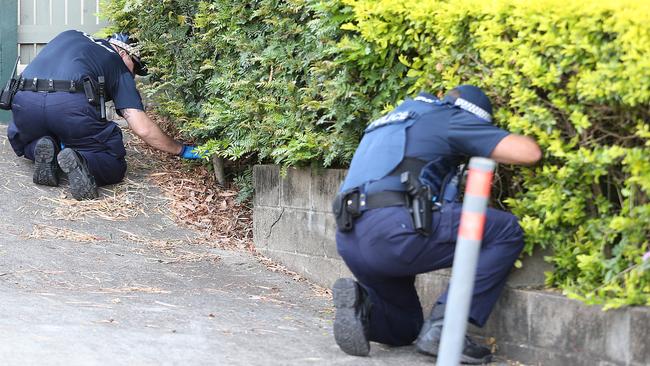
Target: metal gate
(41,20)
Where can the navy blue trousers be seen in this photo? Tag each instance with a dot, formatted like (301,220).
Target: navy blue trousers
(69,119)
(385,253)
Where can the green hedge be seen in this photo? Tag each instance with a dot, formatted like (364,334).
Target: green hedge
(295,82)
(253,78)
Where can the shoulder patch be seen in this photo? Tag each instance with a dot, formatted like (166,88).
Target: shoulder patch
(393,117)
(97,42)
(421,98)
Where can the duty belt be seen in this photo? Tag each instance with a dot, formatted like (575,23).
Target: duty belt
(49,85)
(384,199)
(349,205)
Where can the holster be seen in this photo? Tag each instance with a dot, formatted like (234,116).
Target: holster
(421,204)
(91,90)
(346,208)
(95,94)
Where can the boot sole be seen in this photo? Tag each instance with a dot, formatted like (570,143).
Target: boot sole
(45,163)
(431,349)
(82,185)
(466,360)
(427,348)
(348,328)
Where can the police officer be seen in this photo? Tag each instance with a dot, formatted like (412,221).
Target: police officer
(52,109)
(395,222)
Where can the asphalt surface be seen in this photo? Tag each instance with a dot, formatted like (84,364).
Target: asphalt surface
(97,284)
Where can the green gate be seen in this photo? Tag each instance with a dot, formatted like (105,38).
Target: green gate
(8,42)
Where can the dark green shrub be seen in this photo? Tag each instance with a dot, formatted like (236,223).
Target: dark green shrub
(257,78)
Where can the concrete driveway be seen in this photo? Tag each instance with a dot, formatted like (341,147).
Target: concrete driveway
(117,282)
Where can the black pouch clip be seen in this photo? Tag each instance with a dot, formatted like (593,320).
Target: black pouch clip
(346,208)
(102,99)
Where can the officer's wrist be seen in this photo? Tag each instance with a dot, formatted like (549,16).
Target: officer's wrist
(181,148)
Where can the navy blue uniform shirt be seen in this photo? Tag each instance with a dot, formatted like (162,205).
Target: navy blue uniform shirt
(445,135)
(72,55)
(437,133)
(448,131)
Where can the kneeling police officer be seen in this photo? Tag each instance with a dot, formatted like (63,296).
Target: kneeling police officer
(59,103)
(397,217)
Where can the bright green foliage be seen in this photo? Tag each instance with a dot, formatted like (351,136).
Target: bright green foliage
(295,82)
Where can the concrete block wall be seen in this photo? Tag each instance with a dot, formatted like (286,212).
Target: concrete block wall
(293,224)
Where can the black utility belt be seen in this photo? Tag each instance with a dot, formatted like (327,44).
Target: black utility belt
(49,85)
(386,199)
(348,206)
(94,90)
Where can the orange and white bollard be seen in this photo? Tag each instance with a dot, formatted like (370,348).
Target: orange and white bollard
(468,245)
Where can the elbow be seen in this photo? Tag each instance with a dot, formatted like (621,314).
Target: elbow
(538,155)
(142,131)
(516,149)
(138,122)
(533,156)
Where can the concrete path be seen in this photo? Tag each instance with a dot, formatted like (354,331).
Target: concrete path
(117,282)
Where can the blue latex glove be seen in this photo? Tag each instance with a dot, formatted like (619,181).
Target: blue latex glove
(189,152)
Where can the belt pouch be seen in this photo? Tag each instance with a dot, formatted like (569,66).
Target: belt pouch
(346,208)
(7,94)
(10,89)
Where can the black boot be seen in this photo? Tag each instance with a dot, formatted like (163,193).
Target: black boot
(45,166)
(82,183)
(429,340)
(429,337)
(352,317)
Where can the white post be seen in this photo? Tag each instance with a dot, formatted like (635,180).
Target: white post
(468,245)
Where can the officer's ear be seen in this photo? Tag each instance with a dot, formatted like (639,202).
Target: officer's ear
(451,96)
(454,93)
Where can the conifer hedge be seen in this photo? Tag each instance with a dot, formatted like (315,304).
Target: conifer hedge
(295,82)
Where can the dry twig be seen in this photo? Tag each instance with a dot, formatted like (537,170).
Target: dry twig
(47,232)
(196,200)
(118,203)
(129,289)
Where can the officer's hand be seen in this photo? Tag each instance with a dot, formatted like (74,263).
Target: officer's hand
(189,152)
